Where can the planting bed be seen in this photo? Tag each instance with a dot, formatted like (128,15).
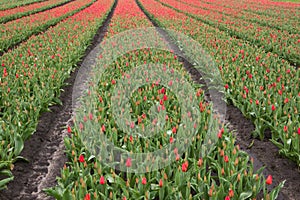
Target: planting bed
(41,64)
(11,14)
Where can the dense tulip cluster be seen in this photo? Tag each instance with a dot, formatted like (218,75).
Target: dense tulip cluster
(262,85)
(5,5)
(32,75)
(16,31)
(15,13)
(255,46)
(225,173)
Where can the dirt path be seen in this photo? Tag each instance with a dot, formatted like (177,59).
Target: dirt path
(265,153)
(45,149)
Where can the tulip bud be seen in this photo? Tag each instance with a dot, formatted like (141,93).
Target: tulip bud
(165,176)
(160,183)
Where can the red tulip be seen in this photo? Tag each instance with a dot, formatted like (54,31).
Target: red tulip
(177,157)
(132,125)
(261,88)
(285,128)
(144,181)
(87,197)
(81,158)
(226,159)
(184,166)
(200,162)
(102,180)
(161,102)
(69,129)
(175,151)
(5,72)
(219,135)
(167,118)
(273,108)
(103,128)
(80,126)
(131,138)
(231,193)
(165,98)
(128,162)
(174,130)
(269,180)
(171,140)
(278,79)
(160,183)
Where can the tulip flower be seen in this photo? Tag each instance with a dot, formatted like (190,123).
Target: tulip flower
(269,180)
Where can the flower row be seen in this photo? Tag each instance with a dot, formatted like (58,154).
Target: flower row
(280,42)
(264,87)
(16,31)
(33,81)
(150,132)
(13,4)
(280,22)
(15,13)
(268,7)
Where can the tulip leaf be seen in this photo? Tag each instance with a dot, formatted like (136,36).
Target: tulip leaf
(245,195)
(19,144)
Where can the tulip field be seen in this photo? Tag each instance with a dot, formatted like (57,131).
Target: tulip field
(251,49)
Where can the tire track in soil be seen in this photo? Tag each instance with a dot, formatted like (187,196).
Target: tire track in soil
(45,149)
(264,153)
